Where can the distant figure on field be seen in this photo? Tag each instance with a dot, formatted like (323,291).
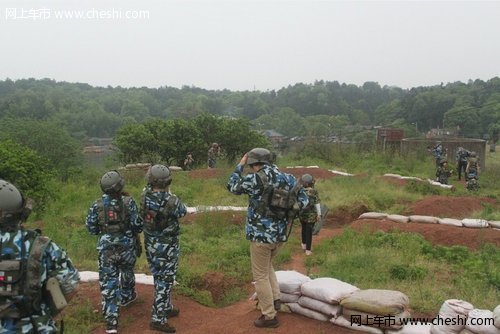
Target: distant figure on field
(443,172)
(461,157)
(213,154)
(311,214)
(438,152)
(188,161)
(472,170)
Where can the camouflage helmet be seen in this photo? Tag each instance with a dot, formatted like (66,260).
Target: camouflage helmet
(442,161)
(259,155)
(307,180)
(112,182)
(159,175)
(12,205)
(215,145)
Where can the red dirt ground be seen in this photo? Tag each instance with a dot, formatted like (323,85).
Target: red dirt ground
(237,318)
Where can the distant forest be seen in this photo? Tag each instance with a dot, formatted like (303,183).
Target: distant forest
(323,108)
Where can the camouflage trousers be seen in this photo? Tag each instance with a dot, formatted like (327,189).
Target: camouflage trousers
(116,279)
(162,253)
(43,322)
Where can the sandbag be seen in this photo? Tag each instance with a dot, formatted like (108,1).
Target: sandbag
(398,218)
(329,290)
(456,310)
(290,281)
(343,322)
(397,176)
(494,223)
(474,223)
(419,328)
(296,308)
(377,321)
(373,215)
(465,331)
(319,306)
(423,219)
(375,301)
(496,316)
(450,221)
(480,322)
(289,298)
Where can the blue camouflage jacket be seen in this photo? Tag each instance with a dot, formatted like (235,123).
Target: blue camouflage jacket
(260,228)
(126,239)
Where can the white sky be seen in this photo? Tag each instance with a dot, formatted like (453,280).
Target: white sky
(246,45)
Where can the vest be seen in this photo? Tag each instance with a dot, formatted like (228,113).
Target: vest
(113,218)
(161,218)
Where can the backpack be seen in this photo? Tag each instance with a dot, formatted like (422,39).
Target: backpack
(277,201)
(22,278)
(113,218)
(160,219)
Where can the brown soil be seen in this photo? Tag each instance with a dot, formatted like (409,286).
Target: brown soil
(237,318)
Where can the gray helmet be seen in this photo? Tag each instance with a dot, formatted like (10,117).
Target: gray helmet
(259,155)
(11,199)
(159,175)
(307,180)
(112,182)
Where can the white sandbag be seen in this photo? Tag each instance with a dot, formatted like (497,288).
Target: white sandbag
(329,290)
(494,223)
(496,316)
(414,178)
(343,322)
(379,321)
(419,328)
(289,298)
(290,281)
(373,215)
(423,219)
(397,176)
(456,310)
(450,221)
(481,322)
(375,301)
(398,218)
(474,223)
(320,306)
(296,308)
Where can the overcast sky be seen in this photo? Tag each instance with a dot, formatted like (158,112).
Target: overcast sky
(247,45)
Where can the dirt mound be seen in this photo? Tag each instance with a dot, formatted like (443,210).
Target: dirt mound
(451,207)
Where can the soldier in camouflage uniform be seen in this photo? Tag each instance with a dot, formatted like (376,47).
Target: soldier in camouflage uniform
(213,153)
(311,213)
(265,230)
(443,172)
(29,264)
(161,210)
(115,218)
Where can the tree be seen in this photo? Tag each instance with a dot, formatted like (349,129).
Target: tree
(464,117)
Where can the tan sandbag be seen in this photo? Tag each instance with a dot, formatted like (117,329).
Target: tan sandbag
(481,322)
(450,221)
(289,298)
(423,219)
(419,328)
(343,322)
(494,223)
(328,290)
(290,281)
(398,218)
(296,308)
(474,223)
(319,306)
(456,310)
(496,316)
(377,321)
(373,215)
(375,301)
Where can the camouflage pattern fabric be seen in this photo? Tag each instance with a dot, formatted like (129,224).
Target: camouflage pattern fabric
(117,256)
(162,247)
(212,157)
(55,263)
(259,228)
(309,214)
(442,174)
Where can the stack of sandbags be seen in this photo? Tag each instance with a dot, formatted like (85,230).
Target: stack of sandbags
(379,309)
(474,223)
(453,317)
(290,282)
(481,322)
(398,218)
(320,298)
(450,222)
(423,219)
